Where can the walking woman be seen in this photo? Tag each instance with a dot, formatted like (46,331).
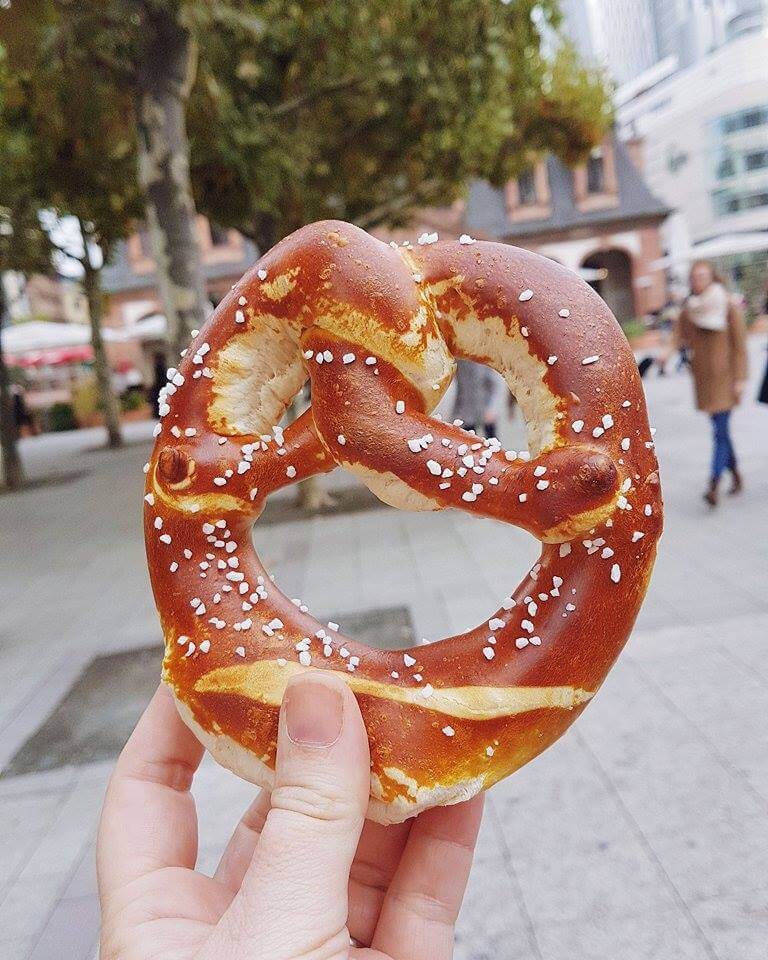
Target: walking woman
(712,328)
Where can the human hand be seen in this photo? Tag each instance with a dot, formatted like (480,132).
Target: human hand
(303,874)
(738,388)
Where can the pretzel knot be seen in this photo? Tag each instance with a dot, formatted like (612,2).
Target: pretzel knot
(376,329)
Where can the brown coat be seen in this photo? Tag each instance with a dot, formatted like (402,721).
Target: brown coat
(718,360)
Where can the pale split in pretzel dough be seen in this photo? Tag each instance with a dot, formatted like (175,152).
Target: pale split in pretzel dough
(476,706)
(245,764)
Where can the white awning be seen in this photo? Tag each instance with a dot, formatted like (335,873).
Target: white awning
(152,327)
(46,335)
(723,246)
(21,338)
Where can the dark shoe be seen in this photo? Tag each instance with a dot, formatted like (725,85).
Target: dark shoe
(711,495)
(737,484)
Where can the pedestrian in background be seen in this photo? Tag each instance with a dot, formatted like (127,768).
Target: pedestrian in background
(159,379)
(22,417)
(712,328)
(480,393)
(762,396)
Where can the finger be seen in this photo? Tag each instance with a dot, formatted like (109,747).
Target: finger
(148,820)
(425,895)
(294,894)
(239,851)
(376,860)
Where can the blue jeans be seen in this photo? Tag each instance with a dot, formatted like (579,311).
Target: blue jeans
(723,456)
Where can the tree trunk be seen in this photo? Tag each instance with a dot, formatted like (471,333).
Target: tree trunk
(13,471)
(109,403)
(165,77)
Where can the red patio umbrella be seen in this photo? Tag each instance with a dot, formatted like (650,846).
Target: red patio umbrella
(53,357)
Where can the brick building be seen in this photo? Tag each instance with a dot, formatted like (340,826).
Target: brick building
(599,219)
(130,279)
(132,294)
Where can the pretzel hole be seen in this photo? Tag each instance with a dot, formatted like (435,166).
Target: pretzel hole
(425,562)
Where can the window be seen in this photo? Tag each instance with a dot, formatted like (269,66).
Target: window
(596,172)
(219,235)
(676,159)
(726,167)
(752,118)
(755,200)
(757,160)
(145,242)
(727,202)
(526,189)
(744,120)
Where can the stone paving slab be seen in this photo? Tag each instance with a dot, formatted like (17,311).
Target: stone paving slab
(641,835)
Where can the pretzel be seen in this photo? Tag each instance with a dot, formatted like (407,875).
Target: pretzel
(376,329)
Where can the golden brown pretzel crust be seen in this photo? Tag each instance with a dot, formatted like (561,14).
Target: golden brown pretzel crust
(376,329)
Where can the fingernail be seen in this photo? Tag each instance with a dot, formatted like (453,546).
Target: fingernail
(313,712)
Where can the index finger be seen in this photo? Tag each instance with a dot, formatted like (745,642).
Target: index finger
(149,820)
(425,895)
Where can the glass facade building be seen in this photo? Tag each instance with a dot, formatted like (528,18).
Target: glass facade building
(740,160)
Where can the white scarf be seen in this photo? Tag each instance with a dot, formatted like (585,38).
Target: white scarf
(709,310)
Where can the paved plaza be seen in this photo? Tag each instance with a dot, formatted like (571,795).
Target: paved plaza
(641,835)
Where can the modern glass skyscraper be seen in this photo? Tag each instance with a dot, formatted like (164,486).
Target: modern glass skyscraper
(630,36)
(618,33)
(694,94)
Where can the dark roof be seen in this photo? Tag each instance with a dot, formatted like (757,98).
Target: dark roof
(486,211)
(118,274)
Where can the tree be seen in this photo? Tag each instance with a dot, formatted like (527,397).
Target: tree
(367,111)
(25,248)
(298,111)
(146,52)
(81,164)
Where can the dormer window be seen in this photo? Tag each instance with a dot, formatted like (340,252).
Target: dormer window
(139,251)
(596,171)
(528,196)
(526,188)
(145,242)
(595,183)
(219,235)
(220,243)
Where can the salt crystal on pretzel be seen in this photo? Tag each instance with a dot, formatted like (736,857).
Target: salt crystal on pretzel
(324,296)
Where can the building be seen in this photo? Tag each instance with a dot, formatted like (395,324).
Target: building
(599,219)
(130,278)
(54,298)
(629,37)
(690,29)
(705,130)
(693,89)
(619,34)
(130,282)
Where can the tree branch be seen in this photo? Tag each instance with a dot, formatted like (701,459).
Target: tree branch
(396,205)
(291,106)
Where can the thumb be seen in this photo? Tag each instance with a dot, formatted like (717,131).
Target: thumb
(294,896)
